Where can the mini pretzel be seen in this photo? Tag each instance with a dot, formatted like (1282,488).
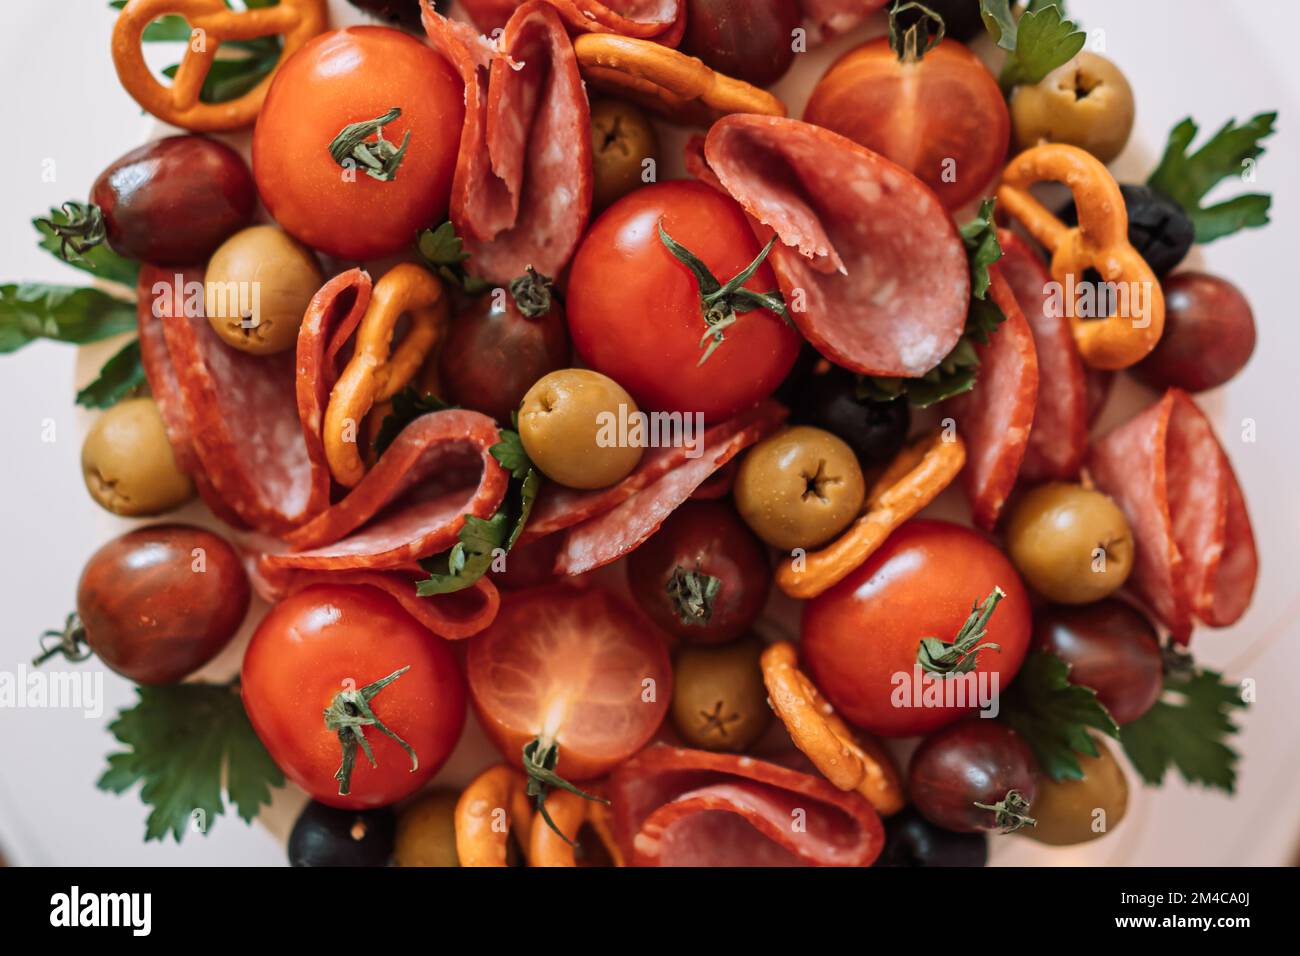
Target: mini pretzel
(296,20)
(376,372)
(667,81)
(913,479)
(848,762)
(482,832)
(1100,242)
(570,812)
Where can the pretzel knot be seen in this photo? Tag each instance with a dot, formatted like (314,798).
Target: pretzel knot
(669,82)
(377,371)
(494,804)
(1135,318)
(848,762)
(211,23)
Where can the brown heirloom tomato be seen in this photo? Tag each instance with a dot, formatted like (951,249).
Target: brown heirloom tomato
(748,39)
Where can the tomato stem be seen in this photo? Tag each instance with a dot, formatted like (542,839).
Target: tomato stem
(532,293)
(958,656)
(1011,812)
(70,642)
(378,157)
(692,594)
(83,230)
(349,715)
(540,759)
(912,47)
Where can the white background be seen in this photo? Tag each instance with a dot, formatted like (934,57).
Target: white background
(1212,59)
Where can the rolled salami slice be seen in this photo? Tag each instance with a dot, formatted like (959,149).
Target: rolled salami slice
(678,807)
(661,20)
(995,418)
(871,264)
(1059,439)
(521,195)
(1195,550)
(827,19)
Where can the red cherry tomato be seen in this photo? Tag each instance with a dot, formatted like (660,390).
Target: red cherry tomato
(974,762)
(571,667)
(703,576)
(1209,334)
(352,76)
(634,310)
(942,116)
(861,638)
(328,640)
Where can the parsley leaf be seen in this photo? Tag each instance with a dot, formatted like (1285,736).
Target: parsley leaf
(121,376)
(1054,715)
(180,738)
(444,250)
(30,311)
(408,405)
(1186,179)
(1186,728)
(1037,44)
(99,260)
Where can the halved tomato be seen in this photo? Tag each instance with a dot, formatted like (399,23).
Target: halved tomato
(577,669)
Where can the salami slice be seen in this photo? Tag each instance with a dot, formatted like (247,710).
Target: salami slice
(521,194)
(996,417)
(870,263)
(827,19)
(1195,550)
(1059,438)
(661,20)
(677,807)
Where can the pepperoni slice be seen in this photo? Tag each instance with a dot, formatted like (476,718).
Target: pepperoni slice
(996,417)
(871,265)
(678,807)
(1195,555)
(1059,438)
(661,20)
(827,19)
(521,195)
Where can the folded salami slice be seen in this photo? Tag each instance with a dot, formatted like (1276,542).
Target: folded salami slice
(870,263)
(521,194)
(677,807)
(995,418)
(827,19)
(1195,550)
(1059,438)
(661,20)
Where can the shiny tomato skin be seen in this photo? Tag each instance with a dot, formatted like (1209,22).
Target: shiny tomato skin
(634,310)
(921,583)
(920,114)
(570,663)
(300,657)
(349,76)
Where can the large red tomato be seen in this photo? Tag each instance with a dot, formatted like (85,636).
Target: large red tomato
(635,311)
(354,76)
(315,648)
(942,116)
(570,668)
(860,639)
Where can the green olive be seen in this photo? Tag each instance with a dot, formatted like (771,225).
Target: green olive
(570,426)
(622,139)
(1077,811)
(426,831)
(719,699)
(257,288)
(128,463)
(1071,544)
(1086,102)
(799,488)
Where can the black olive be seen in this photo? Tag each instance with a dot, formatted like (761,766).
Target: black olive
(874,430)
(961,18)
(325,836)
(1158,228)
(405,12)
(912,840)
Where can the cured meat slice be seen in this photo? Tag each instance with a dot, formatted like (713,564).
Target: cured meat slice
(1195,550)
(995,418)
(1059,438)
(521,194)
(412,503)
(661,20)
(829,18)
(678,807)
(871,265)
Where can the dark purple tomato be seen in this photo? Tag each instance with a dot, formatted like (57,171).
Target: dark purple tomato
(747,39)
(874,430)
(173,201)
(159,602)
(530,565)
(1209,334)
(1111,648)
(405,13)
(703,576)
(912,840)
(967,764)
(500,345)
